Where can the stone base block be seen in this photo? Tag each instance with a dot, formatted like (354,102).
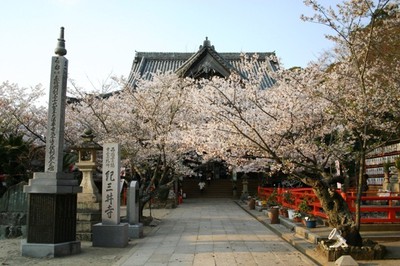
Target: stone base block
(105,235)
(136,230)
(89,197)
(370,250)
(87,216)
(36,250)
(84,226)
(91,207)
(82,236)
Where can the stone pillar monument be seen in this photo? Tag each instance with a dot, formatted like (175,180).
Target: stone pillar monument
(52,194)
(89,201)
(110,232)
(132,208)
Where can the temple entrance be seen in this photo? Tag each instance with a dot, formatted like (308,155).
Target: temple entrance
(218,188)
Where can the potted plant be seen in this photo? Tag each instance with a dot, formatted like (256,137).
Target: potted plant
(273,204)
(288,199)
(252,203)
(309,218)
(258,202)
(272,199)
(310,221)
(264,203)
(297,216)
(273,214)
(291,213)
(303,206)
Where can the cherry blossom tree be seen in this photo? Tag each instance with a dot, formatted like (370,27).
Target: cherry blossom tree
(22,127)
(287,125)
(362,83)
(336,109)
(145,120)
(21,111)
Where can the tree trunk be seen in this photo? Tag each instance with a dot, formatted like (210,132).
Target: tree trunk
(338,212)
(141,207)
(360,183)
(147,196)
(143,200)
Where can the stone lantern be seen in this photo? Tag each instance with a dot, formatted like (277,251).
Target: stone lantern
(87,150)
(89,201)
(245,191)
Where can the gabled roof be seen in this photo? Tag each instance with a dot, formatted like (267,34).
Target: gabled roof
(204,63)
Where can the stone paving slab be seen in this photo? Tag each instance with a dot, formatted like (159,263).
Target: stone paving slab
(212,232)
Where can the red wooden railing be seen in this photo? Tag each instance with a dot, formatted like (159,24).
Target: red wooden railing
(123,196)
(377,209)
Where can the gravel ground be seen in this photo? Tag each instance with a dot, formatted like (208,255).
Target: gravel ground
(10,250)
(10,254)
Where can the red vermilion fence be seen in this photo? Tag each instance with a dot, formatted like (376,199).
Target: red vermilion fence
(376,208)
(383,208)
(123,196)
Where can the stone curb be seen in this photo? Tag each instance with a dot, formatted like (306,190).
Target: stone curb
(300,238)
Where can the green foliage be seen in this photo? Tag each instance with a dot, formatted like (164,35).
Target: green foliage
(272,200)
(14,154)
(68,160)
(386,166)
(288,197)
(397,163)
(297,214)
(304,207)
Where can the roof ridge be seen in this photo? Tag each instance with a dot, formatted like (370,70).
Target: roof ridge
(162,55)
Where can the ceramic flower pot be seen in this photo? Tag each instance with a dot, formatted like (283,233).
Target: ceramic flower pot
(273,214)
(290,214)
(252,204)
(311,224)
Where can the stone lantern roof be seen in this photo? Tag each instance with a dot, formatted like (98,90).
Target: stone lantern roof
(87,142)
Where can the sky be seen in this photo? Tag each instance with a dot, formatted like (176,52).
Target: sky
(103,35)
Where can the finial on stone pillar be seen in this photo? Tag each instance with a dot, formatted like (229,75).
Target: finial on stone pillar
(60,49)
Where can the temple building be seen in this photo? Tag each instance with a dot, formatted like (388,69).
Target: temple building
(207,63)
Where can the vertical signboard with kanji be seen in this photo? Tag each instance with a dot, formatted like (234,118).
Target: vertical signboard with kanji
(111,184)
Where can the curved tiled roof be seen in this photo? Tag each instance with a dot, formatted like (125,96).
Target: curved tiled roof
(185,64)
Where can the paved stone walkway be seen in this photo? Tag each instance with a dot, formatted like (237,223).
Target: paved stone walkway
(212,232)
